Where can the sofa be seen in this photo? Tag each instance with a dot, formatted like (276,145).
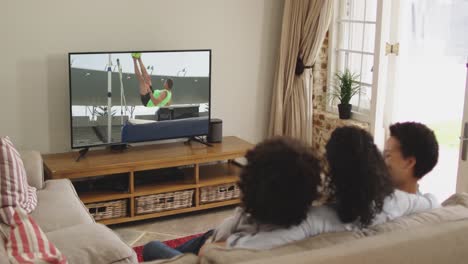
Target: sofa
(67,223)
(436,236)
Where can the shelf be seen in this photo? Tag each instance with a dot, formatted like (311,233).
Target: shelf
(164,185)
(218,204)
(218,174)
(168,213)
(116,220)
(93,197)
(101,162)
(149,189)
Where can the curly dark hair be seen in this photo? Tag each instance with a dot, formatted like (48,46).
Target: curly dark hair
(280,181)
(359,180)
(418,141)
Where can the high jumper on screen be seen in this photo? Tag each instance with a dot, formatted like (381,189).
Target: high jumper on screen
(149,96)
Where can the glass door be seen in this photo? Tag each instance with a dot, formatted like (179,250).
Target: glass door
(426,80)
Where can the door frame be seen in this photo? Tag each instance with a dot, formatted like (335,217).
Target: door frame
(378,127)
(462,184)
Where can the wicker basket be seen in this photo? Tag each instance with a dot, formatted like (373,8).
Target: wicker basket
(163,202)
(107,210)
(216,193)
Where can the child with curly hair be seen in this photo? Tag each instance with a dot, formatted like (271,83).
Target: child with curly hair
(278,185)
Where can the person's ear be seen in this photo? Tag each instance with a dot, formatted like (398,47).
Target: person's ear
(410,162)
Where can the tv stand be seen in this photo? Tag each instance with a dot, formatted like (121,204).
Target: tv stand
(199,140)
(118,147)
(143,172)
(82,153)
(114,148)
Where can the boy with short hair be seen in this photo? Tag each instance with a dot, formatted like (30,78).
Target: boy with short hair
(410,153)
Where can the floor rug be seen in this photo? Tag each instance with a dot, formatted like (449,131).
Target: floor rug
(172,243)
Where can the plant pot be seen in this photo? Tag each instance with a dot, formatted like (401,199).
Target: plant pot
(345,111)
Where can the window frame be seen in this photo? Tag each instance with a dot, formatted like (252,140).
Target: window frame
(333,42)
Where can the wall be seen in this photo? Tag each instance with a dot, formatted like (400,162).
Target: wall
(35,37)
(325,122)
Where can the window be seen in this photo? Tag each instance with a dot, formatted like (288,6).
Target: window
(352,37)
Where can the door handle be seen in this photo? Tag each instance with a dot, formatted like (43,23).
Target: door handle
(464,140)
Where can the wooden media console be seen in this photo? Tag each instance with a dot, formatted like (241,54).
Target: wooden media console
(146,173)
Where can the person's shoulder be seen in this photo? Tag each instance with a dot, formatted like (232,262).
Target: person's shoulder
(428,200)
(397,194)
(324,213)
(426,196)
(163,93)
(326,209)
(323,219)
(431,197)
(242,216)
(239,210)
(398,199)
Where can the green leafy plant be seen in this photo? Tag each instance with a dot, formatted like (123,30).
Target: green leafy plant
(346,86)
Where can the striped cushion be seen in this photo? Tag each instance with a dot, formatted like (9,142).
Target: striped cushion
(14,188)
(26,243)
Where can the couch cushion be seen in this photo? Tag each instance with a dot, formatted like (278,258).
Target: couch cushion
(455,208)
(3,253)
(59,206)
(445,243)
(27,243)
(457,199)
(14,188)
(34,168)
(91,243)
(215,254)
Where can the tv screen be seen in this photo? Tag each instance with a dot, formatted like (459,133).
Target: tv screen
(125,97)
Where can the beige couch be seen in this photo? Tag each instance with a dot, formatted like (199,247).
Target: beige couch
(67,223)
(436,236)
(445,244)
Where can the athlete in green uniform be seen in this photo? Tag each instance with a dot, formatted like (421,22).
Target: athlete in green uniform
(149,96)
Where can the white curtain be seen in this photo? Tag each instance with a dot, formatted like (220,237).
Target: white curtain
(305,24)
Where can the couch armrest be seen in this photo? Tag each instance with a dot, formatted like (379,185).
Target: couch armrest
(34,168)
(91,243)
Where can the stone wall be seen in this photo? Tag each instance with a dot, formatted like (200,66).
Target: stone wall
(325,122)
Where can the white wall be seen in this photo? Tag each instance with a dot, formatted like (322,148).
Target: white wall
(35,37)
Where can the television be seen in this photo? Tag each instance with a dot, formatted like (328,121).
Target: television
(117,98)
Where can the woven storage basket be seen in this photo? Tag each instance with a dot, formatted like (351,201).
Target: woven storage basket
(107,210)
(163,202)
(216,193)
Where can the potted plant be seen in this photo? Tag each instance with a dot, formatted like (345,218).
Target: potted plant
(346,86)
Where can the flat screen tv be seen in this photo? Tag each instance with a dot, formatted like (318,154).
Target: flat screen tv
(137,96)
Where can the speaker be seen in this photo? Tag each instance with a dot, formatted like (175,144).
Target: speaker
(215,131)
